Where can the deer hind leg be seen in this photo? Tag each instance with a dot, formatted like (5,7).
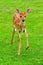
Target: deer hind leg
(19,43)
(13,32)
(27,45)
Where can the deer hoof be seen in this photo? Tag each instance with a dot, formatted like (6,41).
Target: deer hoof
(11,42)
(27,47)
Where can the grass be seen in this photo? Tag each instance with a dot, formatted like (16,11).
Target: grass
(34,23)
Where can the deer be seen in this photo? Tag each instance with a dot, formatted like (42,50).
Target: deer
(19,24)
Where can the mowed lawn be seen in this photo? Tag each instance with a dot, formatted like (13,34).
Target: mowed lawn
(34,25)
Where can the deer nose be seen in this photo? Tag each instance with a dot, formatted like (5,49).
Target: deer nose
(23,20)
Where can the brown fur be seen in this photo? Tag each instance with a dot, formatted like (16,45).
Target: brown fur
(20,24)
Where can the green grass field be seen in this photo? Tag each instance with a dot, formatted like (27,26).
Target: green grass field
(34,25)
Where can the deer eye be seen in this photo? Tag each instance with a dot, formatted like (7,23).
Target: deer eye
(25,16)
(20,16)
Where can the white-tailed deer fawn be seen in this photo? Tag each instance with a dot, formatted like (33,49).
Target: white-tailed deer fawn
(19,24)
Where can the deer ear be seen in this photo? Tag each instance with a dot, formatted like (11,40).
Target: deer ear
(17,10)
(28,10)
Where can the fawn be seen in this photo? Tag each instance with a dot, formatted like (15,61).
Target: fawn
(19,24)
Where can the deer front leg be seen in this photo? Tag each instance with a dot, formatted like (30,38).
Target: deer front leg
(19,43)
(13,32)
(27,45)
